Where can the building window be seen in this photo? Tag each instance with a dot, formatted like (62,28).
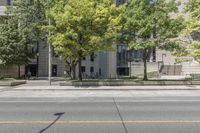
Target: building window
(92,57)
(54,70)
(154,54)
(122,55)
(152,1)
(32,68)
(123,71)
(120,2)
(91,69)
(9,2)
(100,71)
(83,69)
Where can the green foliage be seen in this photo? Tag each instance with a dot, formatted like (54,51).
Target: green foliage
(193,27)
(80,28)
(15,47)
(22,29)
(196,52)
(32,16)
(83,27)
(149,25)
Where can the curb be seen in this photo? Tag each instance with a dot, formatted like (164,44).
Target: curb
(101,89)
(131,83)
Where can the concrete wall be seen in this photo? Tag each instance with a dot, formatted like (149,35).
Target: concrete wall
(108,63)
(2,7)
(190,68)
(104,65)
(87,63)
(112,64)
(104,62)
(44,62)
(138,67)
(165,56)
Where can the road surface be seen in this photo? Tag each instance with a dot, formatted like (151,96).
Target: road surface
(100,115)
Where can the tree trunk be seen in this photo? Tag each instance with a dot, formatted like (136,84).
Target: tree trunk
(73,71)
(19,74)
(145,65)
(80,71)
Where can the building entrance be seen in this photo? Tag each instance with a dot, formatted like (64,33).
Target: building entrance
(32,68)
(54,70)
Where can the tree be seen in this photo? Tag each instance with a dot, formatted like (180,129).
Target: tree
(15,47)
(149,25)
(192,28)
(80,28)
(22,30)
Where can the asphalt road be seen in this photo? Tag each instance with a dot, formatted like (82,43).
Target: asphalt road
(100,115)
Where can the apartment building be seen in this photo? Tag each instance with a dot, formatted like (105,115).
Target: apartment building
(99,65)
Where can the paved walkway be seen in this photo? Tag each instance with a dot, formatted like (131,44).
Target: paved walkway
(103,91)
(42,89)
(44,85)
(100,93)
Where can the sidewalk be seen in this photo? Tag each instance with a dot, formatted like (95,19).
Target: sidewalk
(38,85)
(121,88)
(46,92)
(41,89)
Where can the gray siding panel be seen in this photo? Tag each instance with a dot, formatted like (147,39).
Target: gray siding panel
(44,62)
(3,2)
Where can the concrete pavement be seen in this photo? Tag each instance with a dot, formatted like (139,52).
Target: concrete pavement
(56,94)
(44,85)
(39,108)
(115,115)
(55,87)
(42,89)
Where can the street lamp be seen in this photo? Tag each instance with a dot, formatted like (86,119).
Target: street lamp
(49,55)
(37,55)
(130,60)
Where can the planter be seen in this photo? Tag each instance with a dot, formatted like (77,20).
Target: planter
(12,83)
(130,83)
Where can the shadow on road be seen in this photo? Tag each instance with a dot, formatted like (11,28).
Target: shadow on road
(59,115)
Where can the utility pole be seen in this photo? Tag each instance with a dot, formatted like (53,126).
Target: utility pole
(49,55)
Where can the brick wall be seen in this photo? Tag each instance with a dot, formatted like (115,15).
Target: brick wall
(11,71)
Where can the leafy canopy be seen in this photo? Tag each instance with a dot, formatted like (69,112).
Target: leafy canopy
(15,47)
(150,24)
(80,28)
(21,30)
(193,27)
